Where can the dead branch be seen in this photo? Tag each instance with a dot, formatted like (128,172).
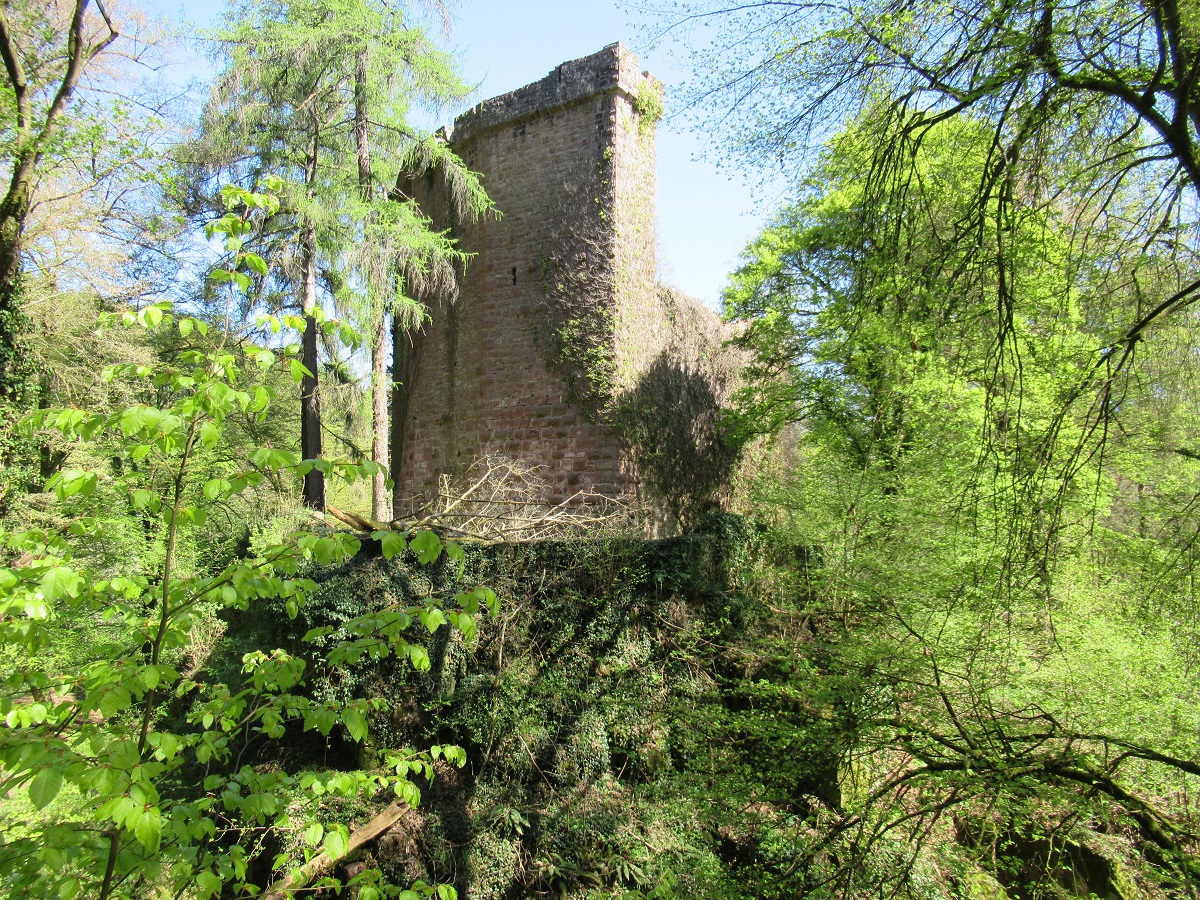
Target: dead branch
(322,862)
(355,521)
(500,499)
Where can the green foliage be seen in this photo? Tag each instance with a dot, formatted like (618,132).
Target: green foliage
(134,764)
(968,500)
(648,104)
(629,713)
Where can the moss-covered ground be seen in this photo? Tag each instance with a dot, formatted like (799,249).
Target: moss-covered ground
(626,718)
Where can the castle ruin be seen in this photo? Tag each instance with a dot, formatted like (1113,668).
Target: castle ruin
(560,326)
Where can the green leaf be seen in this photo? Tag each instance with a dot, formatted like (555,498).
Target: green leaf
(466,624)
(148,829)
(45,787)
(418,657)
(72,482)
(391,543)
(261,397)
(113,702)
(255,263)
(427,546)
(185,326)
(313,834)
(208,884)
(337,842)
(141,498)
(299,372)
(327,551)
(152,316)
(215,487)
(210,435)
(59,581)
(356,724)
(432,618)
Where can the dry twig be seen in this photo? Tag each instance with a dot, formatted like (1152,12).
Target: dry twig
(502,500)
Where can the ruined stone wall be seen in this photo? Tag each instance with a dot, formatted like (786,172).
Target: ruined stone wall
(524,362)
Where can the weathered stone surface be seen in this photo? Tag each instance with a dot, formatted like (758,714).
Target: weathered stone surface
(559,319)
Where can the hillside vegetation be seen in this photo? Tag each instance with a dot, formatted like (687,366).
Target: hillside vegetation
(938,641)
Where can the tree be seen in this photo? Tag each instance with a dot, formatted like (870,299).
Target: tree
(46,49)
(338,79)
(970,590)
(1112,87)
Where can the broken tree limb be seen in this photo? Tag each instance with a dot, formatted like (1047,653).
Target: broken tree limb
(322,862)
(355,521)
(502,500)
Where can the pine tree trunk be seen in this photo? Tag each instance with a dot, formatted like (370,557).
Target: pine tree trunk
(381,506)
(399,413)
(405,353)
(310,404)
(381,502)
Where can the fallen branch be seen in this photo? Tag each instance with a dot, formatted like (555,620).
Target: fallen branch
(322,862)
(355,521)
(502,500)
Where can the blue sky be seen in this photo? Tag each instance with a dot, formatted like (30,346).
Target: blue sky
(705,218)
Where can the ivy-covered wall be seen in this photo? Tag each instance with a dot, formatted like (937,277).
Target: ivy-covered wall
(625,719)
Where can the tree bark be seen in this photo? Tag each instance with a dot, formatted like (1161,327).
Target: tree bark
(322,862)
(399,411)
(381,501)
(381,506)
(310,403)
(13,210)
(406,345)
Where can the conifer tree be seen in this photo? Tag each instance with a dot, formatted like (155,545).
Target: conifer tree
(319,92)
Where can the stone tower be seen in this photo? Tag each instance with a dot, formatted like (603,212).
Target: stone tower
(557,306)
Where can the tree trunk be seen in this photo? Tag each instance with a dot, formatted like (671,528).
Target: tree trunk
(406,344)
(381,502)
(31,142)
(13,210)
(310,405)
(361,144)
(381,506)
(399,412)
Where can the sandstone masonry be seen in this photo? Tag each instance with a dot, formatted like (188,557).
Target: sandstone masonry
(558,312)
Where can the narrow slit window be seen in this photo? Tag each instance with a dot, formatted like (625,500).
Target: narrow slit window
(514,273)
